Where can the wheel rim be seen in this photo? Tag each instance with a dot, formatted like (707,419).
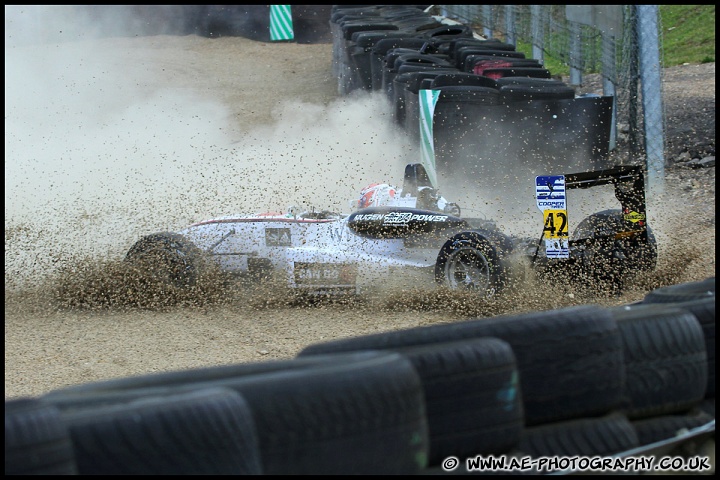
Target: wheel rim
(468,269)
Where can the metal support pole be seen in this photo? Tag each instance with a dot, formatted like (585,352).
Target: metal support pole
(649,53)
(510,27)
(609,75)
(576,61)
(487,21)
(538,40)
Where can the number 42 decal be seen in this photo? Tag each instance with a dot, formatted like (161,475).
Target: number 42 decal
(556,224)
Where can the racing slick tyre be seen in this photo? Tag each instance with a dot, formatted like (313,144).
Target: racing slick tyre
(360,413)
(586,437)
(207,431)
(664,427)
(682,292)
(612,262)
(665,359)
(570,360)
(472,397)
(170,257)
(37,442)
(469,262)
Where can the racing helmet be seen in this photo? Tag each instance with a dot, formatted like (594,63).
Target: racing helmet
(376,195)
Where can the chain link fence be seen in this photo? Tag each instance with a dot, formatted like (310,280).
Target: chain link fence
(621,44)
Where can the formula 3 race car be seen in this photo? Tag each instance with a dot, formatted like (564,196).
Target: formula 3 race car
(416,239)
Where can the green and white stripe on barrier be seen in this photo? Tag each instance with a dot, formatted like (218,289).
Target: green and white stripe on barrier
(281,27)
(428,99)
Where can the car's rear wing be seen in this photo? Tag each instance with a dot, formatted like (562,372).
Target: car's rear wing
(629,189)
(629,182)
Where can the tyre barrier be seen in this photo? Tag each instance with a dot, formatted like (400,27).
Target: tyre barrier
(472,396)
(478,64)
(406,84)
(548,126)
(37,442)
(352,54)
(664,427)
(665,359)
(369,403)
(203,432)
(682,292)
(588,437)
(379,53)
(564,382)
(407,87)
(462,54)
(699,299)
(706,406)
(516,71)
(570,361)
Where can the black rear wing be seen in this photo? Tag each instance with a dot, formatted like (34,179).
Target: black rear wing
(629,182)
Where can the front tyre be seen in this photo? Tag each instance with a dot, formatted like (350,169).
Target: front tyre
(468,262)
(169,257)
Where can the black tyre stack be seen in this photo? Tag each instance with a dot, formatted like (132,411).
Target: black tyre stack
(581,381)
(535,119)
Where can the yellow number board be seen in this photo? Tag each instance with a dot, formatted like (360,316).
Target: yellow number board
(556,224)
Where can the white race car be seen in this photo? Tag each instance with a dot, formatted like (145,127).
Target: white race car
(413,237)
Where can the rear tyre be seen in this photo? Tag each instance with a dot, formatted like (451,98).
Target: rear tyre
(612,261)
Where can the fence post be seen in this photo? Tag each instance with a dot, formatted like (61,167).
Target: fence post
(488,21)
(649,53)
(538,39)
(576,60)
(609,75)
(510,26)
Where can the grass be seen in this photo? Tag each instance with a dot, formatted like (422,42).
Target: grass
(687,36)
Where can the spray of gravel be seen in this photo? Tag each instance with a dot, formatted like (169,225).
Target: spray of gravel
(93,162)
(100,152)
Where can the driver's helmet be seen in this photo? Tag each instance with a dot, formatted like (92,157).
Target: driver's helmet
(376,195)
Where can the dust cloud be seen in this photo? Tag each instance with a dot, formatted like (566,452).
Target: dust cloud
(102,145)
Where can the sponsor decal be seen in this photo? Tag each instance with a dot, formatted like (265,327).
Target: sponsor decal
(400,218)
(634,217)
(369,217)
(551,201)
(552,204)
(324,274)
(278,237)
(550,192)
